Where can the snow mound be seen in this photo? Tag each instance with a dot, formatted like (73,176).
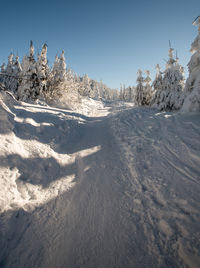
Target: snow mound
(6,116)
(33,166)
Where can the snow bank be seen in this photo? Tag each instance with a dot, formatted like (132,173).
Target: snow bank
(29,163)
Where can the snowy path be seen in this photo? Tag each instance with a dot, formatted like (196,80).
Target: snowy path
(132,200)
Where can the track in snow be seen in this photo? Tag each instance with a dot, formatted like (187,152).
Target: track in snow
(134,202)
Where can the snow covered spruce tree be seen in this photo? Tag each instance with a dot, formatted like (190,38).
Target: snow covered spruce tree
(85,89)
(147,89)
(10,73)
(139,91)
(143,93)
(129,94)
(30,86)
(56,78)
(43,69)
(169,97)
(157,87)
(62,84)
(126,94)
(94,91)
(121,93)
(2,75)
(192,87)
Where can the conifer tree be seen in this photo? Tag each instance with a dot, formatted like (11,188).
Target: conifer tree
(55,69)
(17,69)
(129,94)
(10,73)
(139,91)
(62,66)
(121,97)
(192,87)
(157,87)
(30,86)
(2,75)
(94,93)
(56,78)
(169,97)
(42,69)
(85,91)
(147,89)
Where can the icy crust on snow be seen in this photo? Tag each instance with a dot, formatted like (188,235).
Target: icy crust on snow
(162,153)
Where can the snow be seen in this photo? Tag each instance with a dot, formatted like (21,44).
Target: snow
(102,185)
(192,86)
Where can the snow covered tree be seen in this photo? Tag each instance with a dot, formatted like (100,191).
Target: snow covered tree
(56,78)
(157,83)
(157,87)
(55,69)
(62,84)
(94,92)
(17,69)
(43,69)
(129,93)
(32,79)
(3,68)
(85,88)
(2,73)
(30,86)
(62,66)
(139,91)
(176,97)
(121,97)
(10,73)
(192,87)
(147,89)
(169,97)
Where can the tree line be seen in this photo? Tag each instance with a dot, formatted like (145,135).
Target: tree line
(33,78)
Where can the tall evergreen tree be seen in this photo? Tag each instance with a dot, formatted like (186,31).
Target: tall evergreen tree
(139,91)
(169,97)
(43,69)
(62,66)
(56,78)
(147,89)
(85,90)
(192,87)
(121,95)
(30,86)
(2,74)
(10,73)
(157,87)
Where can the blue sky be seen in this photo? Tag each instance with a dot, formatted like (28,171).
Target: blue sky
(108,40)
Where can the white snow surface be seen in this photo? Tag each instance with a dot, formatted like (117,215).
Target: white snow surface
(104,185)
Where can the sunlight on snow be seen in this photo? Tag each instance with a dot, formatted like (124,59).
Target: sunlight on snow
(89,151)
(17,194)
(167,115)
(32,122)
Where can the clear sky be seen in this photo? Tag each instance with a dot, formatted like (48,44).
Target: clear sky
(107,39)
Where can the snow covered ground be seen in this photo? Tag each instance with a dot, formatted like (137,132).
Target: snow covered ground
(100,186)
